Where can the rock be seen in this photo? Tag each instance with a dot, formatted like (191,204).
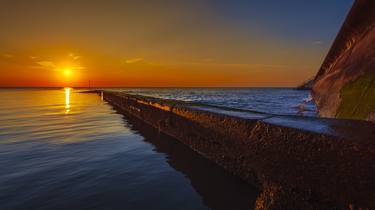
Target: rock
(345,84)
(306,85)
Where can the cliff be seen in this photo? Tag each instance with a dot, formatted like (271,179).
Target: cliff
(345,84)
(306,85)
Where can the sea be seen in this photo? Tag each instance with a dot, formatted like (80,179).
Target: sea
(281,101)
(64,149)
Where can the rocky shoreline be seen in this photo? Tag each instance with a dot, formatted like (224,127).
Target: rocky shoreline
(296,162)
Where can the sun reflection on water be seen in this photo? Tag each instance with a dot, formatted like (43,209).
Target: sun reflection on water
(67,100)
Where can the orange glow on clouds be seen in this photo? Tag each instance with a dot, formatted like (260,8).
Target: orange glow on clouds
(115,72)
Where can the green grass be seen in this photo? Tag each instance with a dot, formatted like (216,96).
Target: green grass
(358,98)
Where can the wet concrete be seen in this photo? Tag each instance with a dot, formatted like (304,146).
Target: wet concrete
(297,162)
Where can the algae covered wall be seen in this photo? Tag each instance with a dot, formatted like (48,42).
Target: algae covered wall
(358,99)
(345,85)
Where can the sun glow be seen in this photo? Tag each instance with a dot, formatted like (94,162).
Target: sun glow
(67,72)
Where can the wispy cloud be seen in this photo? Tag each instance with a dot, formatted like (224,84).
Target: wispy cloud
(208,60)
(50,65)
(47,65)
(248,65)
(74,56)
(318,42)
(33,57)
(134,60)
(78,68)
(7,55)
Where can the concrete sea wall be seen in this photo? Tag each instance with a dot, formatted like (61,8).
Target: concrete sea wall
(296,162)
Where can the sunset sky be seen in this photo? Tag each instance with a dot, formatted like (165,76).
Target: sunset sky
(165,43)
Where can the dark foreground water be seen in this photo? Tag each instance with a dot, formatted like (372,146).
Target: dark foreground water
(284,101)
(60,149)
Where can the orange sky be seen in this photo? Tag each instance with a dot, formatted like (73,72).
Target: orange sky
(168,43)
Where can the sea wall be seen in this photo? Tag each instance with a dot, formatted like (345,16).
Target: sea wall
(297,162)
(345,84)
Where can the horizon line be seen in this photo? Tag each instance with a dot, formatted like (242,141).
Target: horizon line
(81,87)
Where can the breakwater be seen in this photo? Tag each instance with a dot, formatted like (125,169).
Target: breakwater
(297,162)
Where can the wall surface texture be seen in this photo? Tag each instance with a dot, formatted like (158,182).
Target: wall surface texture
(296,162)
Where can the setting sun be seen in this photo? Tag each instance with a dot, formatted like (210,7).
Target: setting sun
(67,72)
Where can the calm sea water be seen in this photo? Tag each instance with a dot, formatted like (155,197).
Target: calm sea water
(284,101)
(60,149)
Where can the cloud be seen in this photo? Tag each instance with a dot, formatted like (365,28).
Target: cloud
(74,56)
(140,61)
(78,68)
(50,65)
(47,65)
(244,65)
(318,42)
(134,60)
(33,57)
(7,55)
(207,60)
